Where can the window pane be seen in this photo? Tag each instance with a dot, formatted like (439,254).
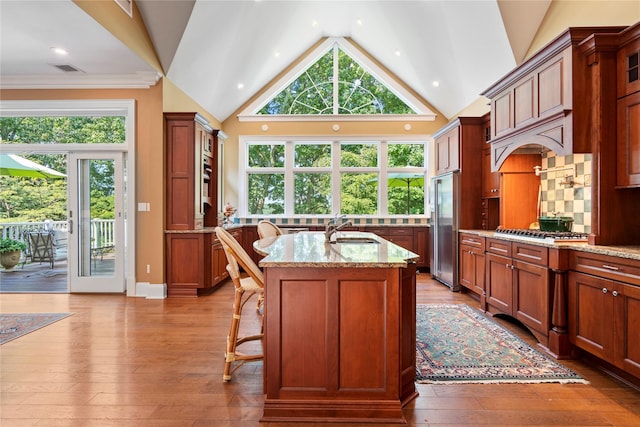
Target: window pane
(266,155)
(312,193)
(359,193)
(400,155)
(266,193)
(313,155)
(358,155)
(406,200)
(62,130)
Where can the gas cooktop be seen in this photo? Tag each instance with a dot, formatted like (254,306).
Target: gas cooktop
(554,236)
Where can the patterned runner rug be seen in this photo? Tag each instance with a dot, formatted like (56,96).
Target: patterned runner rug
(15,325)
(458,344)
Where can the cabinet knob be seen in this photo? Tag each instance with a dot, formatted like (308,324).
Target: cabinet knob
(605,290)
(614,293)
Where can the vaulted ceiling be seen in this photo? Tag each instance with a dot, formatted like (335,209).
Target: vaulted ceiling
(221,53)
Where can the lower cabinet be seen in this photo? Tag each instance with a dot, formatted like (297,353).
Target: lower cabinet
(195,262)
(517,284)
(188,263)
(604,311)
(472,265)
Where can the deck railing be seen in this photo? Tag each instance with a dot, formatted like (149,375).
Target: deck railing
(101,230)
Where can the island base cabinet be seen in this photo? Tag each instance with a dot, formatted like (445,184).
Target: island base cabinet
(605,320)
(339,344)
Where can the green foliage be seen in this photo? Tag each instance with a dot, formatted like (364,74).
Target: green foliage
(358,91)
(33,199)
(10,245)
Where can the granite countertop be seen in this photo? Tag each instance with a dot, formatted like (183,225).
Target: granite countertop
(204,229)
(309,249)
(630,252)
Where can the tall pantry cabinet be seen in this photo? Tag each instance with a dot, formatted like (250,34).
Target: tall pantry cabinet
(191,200)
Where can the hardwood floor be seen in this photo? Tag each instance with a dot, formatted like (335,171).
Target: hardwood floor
(121,361)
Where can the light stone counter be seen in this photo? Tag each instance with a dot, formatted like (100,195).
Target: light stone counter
(309,249)
(630,252)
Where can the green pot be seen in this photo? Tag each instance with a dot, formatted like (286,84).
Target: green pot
(555,223)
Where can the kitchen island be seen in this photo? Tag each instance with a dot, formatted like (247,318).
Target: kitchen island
(340,325)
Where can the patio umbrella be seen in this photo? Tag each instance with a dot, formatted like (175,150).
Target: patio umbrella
(406,179)
(13,165)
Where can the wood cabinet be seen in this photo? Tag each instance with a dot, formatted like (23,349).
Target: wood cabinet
(490,180)
(517,284)
(192,265)
(191,181)
(472,265)
(628,110)
(604,309)
(447,151)
(188,264)
(415,239)
(547,100)
(629,141)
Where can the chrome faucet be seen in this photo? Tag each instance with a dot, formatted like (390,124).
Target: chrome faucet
(333,227)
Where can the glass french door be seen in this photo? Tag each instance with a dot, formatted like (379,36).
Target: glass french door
(96,216)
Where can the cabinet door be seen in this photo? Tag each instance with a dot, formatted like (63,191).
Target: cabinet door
(447,151)
(531,302)
(490,180)
(627,324)
(218,263)
(629,141)
(499,282)
(591,309)
(421,240)
(629,68)
(472,269)
(402,236)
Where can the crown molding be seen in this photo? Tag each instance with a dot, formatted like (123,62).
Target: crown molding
(140,80)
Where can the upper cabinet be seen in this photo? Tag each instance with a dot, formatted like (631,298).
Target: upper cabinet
(545,101)
(628,165)
(447,151)
(191,173)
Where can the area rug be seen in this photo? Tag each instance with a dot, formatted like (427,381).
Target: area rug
(458,344)
(15,325)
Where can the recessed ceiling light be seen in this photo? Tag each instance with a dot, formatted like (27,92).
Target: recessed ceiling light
(359,22)
(314,23)
(240,85)
(59,50)
(397,53)
(276,53)
(435,83)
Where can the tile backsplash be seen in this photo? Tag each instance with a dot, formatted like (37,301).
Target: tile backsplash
(565,183)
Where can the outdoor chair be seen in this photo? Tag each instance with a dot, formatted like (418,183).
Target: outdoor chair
(40,247)
(251,285)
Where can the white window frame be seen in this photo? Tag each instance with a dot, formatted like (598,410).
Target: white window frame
(101,107)
(382,169)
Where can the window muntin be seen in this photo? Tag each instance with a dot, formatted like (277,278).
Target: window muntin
(307,184)
(319,90)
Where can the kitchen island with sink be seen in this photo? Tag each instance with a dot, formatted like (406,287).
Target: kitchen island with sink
(339,325)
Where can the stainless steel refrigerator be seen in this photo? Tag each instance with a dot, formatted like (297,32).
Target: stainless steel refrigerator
(444,192)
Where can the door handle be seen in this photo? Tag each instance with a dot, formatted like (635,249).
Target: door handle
(70,226)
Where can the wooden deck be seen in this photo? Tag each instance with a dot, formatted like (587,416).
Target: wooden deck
(37,277)
(41,278)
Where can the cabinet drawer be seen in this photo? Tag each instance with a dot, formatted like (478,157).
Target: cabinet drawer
(530,253)
(400,231)
(619,269)
(379,231)
(499,247)
(473,241)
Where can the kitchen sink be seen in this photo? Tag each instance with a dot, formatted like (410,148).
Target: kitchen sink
(355,240)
